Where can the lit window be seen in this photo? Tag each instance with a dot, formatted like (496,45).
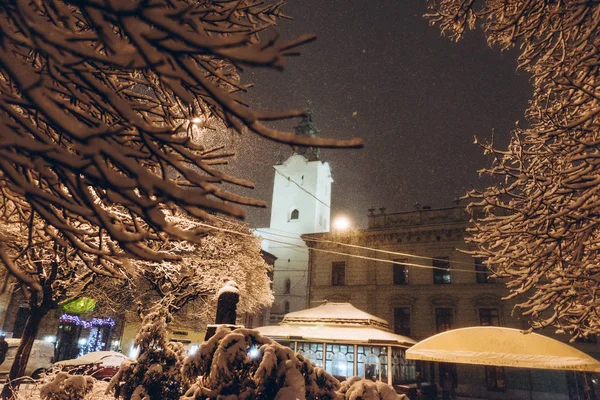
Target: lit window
(372,362)
(400,273)
(312,351)
(295,214)
(339,360)
(338,273)
(441,272)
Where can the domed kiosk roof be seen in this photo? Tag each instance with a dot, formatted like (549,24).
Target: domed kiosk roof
(335,314)
(335,323)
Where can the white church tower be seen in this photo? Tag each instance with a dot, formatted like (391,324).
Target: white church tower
(301,205)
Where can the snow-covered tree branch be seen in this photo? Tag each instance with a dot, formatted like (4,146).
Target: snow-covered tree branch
(95,102)
(539,226)
(229,252)
(96,99)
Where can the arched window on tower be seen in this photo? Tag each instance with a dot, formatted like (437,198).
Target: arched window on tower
(295,214)
(286,306)
(287,286)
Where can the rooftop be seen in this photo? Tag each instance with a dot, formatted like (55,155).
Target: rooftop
(335,323)
(422,216)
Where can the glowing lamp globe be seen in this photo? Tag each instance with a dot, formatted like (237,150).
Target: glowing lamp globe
(341,223)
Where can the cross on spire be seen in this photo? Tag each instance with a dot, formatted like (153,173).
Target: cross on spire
(307,127)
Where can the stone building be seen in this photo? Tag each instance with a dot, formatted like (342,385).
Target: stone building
(425,286)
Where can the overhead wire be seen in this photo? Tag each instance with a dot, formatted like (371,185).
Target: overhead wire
(308,238)
(341,253)
(289,178)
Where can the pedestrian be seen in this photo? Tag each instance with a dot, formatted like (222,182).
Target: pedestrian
(447,386)
(419,381)
(3,348)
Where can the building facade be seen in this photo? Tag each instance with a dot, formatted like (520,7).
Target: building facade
(423,285)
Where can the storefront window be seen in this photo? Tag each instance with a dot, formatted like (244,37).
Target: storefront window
(339,360)
(403,370)
(312,351)
(372,362)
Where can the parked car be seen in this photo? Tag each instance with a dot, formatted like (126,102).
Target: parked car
(40,359)
(99,364)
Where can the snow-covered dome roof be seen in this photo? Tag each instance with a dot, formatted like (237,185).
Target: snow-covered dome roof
(335,323)
(335,314)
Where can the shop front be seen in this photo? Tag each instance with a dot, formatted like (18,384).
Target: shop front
(346,342)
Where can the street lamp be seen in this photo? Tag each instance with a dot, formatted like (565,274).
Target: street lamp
(341,223)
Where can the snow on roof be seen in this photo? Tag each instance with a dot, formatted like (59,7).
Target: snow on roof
(335,314)
(335,323)
(106,358)
(336,334)
(230,286)
(493,345)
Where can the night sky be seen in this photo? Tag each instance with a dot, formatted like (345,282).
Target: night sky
(380,72)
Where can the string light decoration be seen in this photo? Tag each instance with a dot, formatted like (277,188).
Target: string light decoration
(74,319)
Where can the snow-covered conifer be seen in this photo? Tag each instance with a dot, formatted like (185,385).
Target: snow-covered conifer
(242,364)
(156,373)
(359,388)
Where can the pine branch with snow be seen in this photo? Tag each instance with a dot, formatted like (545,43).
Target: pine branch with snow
(359,388)
(243,364)
(63,386)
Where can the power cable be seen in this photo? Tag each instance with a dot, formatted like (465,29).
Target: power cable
(343,254)
(308,238)
(289,178)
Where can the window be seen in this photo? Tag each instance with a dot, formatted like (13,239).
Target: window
(403,370)
(372,362)
(483,272)
(494,376)
(441,272)
(295,214)
(286,306)
(400,273)
(402,321)
(338,273)
(312,351)
(339,360)
(443,319)
(287,286)
(489,317)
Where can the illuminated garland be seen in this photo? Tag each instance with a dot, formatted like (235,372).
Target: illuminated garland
(74,319)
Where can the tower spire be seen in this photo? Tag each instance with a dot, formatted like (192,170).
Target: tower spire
(307,127)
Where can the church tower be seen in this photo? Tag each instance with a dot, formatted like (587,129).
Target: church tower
(300,205)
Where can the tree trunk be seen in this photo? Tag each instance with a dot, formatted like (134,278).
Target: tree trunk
(22,357)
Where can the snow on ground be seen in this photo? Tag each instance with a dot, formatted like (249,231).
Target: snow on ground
(31,391)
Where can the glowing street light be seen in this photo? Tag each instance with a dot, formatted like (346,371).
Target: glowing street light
(341,223)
